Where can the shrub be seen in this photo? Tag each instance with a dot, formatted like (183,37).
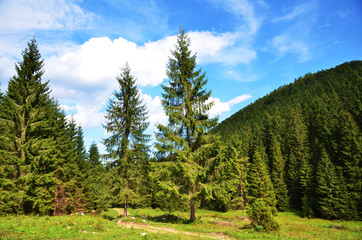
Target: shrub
(261,217)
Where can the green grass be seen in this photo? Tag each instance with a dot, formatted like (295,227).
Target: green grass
(109,214)
(229,223)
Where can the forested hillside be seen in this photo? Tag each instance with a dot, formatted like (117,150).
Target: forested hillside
(310,131)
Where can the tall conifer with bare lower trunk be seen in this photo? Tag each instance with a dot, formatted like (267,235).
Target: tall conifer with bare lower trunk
(126,122)
(185,102)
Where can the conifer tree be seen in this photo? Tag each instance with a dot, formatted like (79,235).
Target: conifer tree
(230,176)
(327,188)
(277,176)
(93,156)
(185,103)
(350,155)
(298,154)
(262,199)
(126,121)
(29,144)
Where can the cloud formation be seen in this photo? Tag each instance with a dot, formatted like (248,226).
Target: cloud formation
(42,14)
(87,73)
(221,107)
(284,44)
(297,11)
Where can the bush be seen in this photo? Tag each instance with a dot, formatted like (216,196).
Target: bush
(261,217)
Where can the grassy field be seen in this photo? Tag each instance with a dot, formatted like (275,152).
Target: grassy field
(156,224)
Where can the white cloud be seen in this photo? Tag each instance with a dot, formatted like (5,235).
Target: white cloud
(221,107)
(18,15)
(244,9)
(98,61)
(155,111)
(220,48)
(285,44)
(297,11)
(239,99)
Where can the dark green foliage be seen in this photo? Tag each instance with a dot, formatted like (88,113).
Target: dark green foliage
(185,103)
(350,161)
(126,121)
(327,188)
(260,185)
(277,176)
(228,174)
(317,111)
(93,157)
(95,183)
(27,142)
(261,215)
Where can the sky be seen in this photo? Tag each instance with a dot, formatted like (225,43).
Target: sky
(247,48)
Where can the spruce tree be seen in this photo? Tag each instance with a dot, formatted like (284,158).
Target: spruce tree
(277,176)
(93,156)
(126,117)
(28,143)
(185,103)
(262,200)
(350,160)
(298,155)
(327,188)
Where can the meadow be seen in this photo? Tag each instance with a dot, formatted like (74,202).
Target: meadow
(156,224)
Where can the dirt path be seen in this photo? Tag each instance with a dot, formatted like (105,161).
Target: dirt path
(153,229)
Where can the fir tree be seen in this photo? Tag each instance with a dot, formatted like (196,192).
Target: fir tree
(262,199)
(126,121)
(350,155)
(298,154)
(277,176)
(93,156)
(327,187)
(28,142)
(185,103)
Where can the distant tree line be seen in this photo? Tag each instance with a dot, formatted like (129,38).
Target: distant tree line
(297,148)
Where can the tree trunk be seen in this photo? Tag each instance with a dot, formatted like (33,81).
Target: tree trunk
(192,212)
(55,201)
(242,200)
(125,208)
(75,201)
(192,205)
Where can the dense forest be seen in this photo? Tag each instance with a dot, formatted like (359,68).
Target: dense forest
(298,148)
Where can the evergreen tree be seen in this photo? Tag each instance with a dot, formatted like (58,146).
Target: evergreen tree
(28,143)
(126,121)
(277,176)
(93,156)
(327,188)
(262,199)
(185,103)
(230,176)
(350,155)
(298,154)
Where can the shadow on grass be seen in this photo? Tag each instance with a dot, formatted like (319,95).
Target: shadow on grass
(168,218)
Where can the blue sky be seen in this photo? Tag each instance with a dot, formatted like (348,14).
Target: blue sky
(246,47)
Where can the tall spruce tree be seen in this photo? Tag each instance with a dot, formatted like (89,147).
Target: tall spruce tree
(126,117)
(298,155)
(27,142)
(185,102)
(327,188)
(350,161)
(277,176)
